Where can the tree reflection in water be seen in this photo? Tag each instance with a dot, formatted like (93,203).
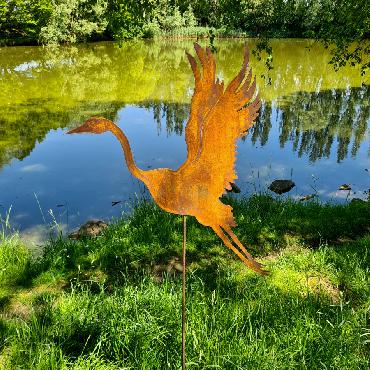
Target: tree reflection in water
(175,115)
(44,89)
(312,122)
(309,110)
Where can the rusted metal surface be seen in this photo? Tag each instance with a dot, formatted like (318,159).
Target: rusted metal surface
(218,117)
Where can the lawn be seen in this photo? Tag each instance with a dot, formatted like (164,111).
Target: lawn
(114,301)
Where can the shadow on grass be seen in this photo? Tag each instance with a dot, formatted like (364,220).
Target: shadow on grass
(151,236)
(233,322)
(114,309)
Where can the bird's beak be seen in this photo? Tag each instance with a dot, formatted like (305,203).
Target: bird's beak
(77,130)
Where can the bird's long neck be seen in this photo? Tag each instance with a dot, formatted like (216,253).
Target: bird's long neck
(135,171)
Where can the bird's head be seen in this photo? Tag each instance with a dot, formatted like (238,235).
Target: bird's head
(94,125)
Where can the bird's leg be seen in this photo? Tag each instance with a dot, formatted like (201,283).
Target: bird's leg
(242,248)
(237,241)
(255,266)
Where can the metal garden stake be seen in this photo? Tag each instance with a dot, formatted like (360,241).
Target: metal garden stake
(218,117)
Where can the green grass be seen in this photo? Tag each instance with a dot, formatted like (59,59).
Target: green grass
(98,303)
(15,259)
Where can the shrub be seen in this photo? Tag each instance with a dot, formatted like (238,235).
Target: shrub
(189,18)
(74,20)
(22,19)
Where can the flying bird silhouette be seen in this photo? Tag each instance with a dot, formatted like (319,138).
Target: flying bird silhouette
(218,117)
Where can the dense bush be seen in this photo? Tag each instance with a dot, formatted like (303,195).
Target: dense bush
(74,20)
(22,20)
(147,18)
(127,19)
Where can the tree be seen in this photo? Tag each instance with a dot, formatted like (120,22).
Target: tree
(345,29)
(343,26)
(22,19)
(74,21)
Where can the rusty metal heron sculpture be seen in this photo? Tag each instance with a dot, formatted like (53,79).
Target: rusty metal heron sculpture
(218,117)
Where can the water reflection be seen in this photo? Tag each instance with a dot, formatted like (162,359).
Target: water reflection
(313,120)
(174,114)
(44,89)
(22,129)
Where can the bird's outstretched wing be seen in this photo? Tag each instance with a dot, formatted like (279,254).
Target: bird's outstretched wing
(207,92)
(218,118)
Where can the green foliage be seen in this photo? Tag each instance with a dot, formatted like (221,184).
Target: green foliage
(189,17)
(208,12)
(151,29)
(173,20)
(345,23)
(148,18)
(23,19)
(337,23)
(126,19)
(74,21)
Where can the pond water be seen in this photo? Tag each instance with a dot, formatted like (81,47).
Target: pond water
(313,125)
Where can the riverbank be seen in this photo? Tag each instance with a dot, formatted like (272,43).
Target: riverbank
(114,301)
